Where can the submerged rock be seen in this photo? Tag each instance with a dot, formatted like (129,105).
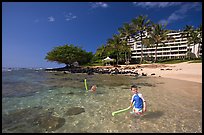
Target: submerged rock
(74,111)
(35,119)
(49,122)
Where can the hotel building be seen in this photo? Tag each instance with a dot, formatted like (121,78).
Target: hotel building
(172,49)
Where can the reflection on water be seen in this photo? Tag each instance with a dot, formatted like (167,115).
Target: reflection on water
(56,102)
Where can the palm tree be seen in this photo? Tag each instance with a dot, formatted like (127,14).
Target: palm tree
(146,42)
(156,36)
(199,29)
(126,32)
(194,39)
(187,34)
(140,25)
(192,36)
(114,44)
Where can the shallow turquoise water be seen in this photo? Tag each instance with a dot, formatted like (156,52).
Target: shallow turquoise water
(56,102)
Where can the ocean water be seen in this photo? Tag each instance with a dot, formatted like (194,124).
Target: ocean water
(42,102)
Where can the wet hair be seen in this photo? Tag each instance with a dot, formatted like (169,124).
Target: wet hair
(134,86)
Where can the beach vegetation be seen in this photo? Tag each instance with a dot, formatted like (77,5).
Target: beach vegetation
(118,48)
(141,25)
(126,32)
(158,35)
(68,54)
(193,37)
(196,61)
(175,61)
(115,47)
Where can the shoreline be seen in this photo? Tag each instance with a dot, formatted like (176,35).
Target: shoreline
(181,71)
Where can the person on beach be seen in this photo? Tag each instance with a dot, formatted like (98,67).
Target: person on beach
(139,105)
(93,88)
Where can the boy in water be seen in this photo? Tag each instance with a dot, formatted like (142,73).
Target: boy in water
(93,88)
(139,102)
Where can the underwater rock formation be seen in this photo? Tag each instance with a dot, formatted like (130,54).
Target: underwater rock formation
(74,111)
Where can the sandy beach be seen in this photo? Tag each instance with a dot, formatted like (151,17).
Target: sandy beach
(182,71)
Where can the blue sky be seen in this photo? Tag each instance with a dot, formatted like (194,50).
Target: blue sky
(31,29)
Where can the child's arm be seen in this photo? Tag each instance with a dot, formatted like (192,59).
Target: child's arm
(132,102)
(144,107)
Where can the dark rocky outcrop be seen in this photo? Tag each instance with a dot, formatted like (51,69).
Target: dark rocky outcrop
(132,71)
(74,111)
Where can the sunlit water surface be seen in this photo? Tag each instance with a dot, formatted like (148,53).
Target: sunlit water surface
(37,101)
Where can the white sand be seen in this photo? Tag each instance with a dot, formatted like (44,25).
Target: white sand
(183,71)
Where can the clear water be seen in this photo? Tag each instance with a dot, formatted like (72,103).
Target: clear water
(37,101)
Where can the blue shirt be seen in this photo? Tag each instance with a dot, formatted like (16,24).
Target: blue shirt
(138,99)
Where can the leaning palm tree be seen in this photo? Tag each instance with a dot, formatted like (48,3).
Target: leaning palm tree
(157,36)
(140,25)
(126,32)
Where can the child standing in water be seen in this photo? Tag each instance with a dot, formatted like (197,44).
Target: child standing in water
(138,100)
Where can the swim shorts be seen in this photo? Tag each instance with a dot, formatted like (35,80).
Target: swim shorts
(137,110)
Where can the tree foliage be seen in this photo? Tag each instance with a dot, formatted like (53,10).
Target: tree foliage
(193,36)
(158,35)
(69,54)
(140,25)
(117,46)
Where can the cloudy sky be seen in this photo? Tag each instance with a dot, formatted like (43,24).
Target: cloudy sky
(31,29)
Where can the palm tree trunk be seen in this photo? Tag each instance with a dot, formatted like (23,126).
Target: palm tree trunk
(194,49)
(117,58)
(141,59)
(198,50)
(125,50)
(155,60)
(125,57)
(189,57)
(128,58)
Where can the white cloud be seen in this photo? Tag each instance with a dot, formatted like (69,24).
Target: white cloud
(99,4)
(51,19)
(156,4)
(67,19)
(69,16)
(74,17)
(180,13)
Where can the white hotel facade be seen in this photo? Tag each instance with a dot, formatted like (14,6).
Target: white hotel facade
(172,49)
